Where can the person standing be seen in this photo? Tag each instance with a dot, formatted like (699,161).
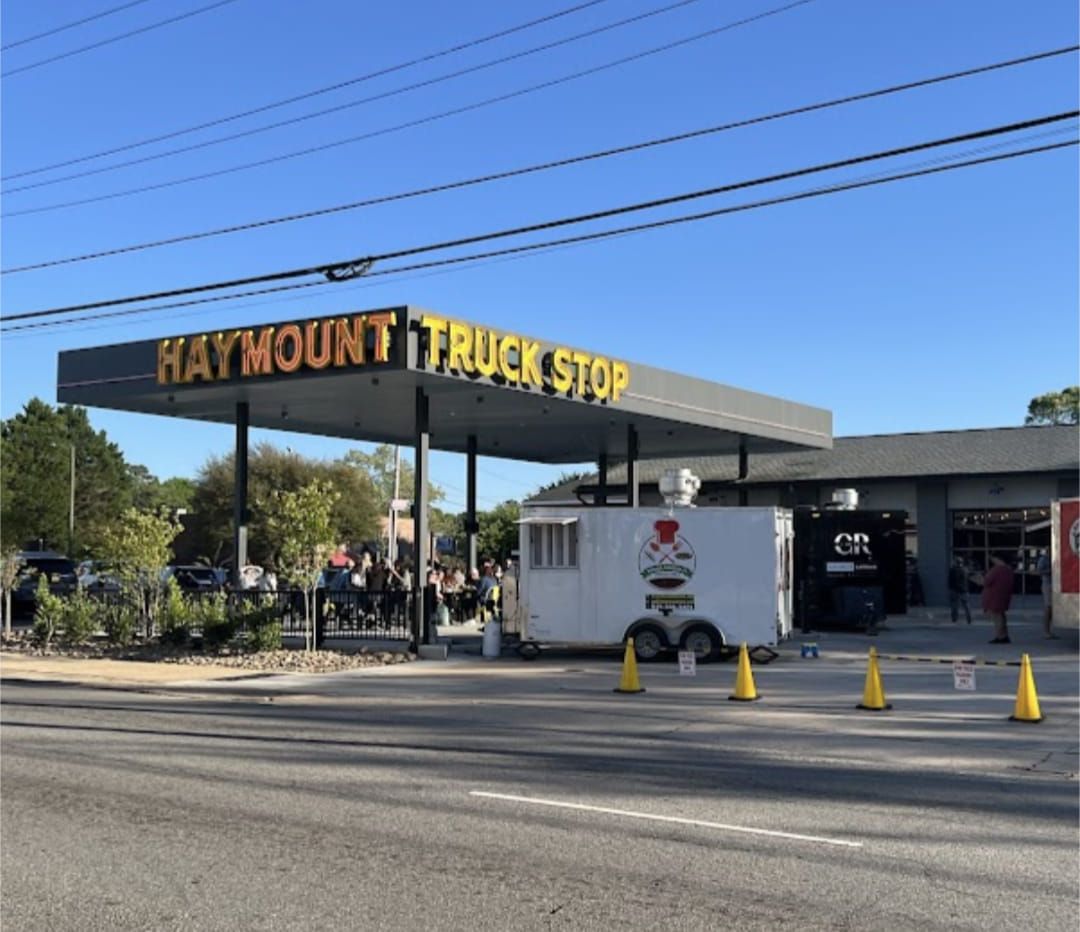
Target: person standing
(997,596)
(958,590)
(1046,579)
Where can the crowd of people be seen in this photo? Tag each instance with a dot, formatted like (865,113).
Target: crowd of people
(998,584)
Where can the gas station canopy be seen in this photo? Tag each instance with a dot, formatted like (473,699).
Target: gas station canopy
(360,375)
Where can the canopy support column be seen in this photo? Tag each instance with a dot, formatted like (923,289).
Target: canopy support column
(744,471)
(240,492)
(601,489)
(633,492)
(471,526)
(421,529)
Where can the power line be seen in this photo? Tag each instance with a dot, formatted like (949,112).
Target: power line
(384,95)
(544,166)
(351,268)
(421,121)
(71,25)
(472,43)
(111,40)
(515,251)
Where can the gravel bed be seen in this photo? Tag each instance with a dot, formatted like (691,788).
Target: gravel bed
(285,660)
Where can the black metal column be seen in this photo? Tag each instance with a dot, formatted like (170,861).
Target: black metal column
(633,493)
(421,532)
(471,526)
(240,492)
(744,471)
(601,486)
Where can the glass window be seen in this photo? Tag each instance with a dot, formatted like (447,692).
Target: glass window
(571,544)
(553,545)
(536,550)
(1018,534)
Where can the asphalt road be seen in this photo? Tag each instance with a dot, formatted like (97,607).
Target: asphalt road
(352,802)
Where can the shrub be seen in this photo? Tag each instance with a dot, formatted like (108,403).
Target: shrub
(79,618)
(218,627)
(120,622)
(176,616)
(48,613)
(262,624)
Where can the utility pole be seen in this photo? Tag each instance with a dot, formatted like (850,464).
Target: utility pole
(71,508)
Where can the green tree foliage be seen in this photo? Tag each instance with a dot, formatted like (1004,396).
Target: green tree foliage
(1055,407)
(136,548)
(378,465)
(498,533)
(270,469)
(35,446)
(153,494)
(300,523)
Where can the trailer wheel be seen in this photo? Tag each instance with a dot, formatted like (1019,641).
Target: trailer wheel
(649,642)
(528,651)
(704,641)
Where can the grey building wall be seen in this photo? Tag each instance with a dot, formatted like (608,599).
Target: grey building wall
(934,537)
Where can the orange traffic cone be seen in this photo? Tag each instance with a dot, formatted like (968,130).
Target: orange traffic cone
(1027,700)
(629,682)
(745,690)
(873,699)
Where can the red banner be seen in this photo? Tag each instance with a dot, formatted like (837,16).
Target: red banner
(1069,537)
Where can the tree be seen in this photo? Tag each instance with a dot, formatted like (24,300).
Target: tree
(378,466)
(35,490)
(354,517)
(1055,407)
(136,548)
(10,564)
(498,533)
(153,494)
(301,527)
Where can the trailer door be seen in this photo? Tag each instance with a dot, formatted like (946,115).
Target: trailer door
(785,571)
(551,552)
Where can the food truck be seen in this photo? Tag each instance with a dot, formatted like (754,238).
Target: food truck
(1065,560)
(676,577)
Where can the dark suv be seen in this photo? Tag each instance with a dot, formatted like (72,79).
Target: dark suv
(57,569)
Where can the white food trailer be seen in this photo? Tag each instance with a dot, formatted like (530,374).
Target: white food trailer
(675,577)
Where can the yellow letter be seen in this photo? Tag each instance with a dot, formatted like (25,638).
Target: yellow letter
(620,379)
(600,377)
(382,322)
(581,362)
(170,354)
(312,331)
(348,341)
(485,352)
(561,376)
(289,361)
(459,355)
(198,362)
(530,367)
(223,346)
(436,327)
(507,343)
(255,357)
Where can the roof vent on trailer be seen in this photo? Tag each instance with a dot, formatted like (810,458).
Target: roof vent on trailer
(844,500)
(679,487)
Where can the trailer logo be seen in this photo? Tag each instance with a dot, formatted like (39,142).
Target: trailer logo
(667,560)
(852,545)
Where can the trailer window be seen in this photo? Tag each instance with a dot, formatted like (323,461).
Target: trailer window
(553,546)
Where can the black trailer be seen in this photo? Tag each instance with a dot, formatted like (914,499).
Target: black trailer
(850,567)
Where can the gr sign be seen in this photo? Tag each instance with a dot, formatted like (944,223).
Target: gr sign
(852,545)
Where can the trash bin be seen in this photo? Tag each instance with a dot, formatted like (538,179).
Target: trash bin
(492,639)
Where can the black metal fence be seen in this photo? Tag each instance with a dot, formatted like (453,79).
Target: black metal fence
(351,614)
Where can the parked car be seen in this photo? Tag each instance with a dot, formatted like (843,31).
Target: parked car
(194,577)
(93,577)
(55,567)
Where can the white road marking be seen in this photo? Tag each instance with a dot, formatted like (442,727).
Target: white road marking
(662,818)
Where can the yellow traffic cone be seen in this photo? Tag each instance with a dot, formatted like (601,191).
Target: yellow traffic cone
(1027,700)
(873,699)
(744,679)
(629,682)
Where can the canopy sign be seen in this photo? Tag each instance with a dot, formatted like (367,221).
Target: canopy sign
(517,361)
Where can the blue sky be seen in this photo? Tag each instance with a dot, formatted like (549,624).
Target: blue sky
(942,302)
